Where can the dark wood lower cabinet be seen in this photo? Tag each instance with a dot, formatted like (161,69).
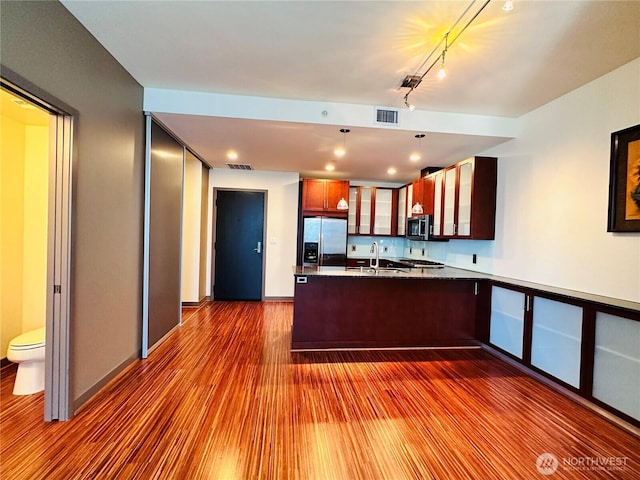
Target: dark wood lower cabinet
(352,312)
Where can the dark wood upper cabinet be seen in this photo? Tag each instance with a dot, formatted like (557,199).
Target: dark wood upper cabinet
(464,199)
(428,185)
(417,195)
(321,197)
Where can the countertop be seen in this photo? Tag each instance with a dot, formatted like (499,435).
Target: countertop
(445,273)
(451,273)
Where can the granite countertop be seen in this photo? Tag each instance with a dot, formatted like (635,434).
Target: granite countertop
(451,273)
(446,273)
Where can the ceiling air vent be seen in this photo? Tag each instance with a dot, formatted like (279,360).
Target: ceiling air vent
(386,116)
(239,166)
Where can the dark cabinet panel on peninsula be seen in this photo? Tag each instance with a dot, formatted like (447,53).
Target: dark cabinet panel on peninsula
(343,312)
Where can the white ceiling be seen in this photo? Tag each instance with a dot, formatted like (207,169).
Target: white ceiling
(357,52)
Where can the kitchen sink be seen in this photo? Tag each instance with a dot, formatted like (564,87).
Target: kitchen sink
(421,263)
(373,271)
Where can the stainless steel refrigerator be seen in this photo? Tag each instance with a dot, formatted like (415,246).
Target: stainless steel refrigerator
(324,241)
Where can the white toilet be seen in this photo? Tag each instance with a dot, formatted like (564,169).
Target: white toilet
(27,350)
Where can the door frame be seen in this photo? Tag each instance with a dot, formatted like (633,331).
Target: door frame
(58,404)
(214,210)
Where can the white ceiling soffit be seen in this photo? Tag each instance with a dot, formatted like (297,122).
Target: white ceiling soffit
(504,65)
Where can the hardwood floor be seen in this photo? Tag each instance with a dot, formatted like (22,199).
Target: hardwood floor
(223,398)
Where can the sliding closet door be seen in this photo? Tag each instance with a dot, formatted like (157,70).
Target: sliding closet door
(163,231)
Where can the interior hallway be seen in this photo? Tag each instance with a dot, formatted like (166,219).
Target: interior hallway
(223,398)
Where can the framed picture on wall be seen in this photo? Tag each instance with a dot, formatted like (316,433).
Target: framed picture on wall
(624,181)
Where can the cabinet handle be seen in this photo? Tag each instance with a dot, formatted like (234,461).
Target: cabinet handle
(528,303)
(454,228)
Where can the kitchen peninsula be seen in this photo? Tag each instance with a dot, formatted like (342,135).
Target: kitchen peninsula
(360,307)
(584,343)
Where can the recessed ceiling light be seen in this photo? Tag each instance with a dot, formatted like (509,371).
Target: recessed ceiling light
(330,167)
(339,152)
(414,157)
(391,171)
(232,155)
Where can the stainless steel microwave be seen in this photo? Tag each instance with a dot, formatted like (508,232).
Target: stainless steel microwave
(421,228)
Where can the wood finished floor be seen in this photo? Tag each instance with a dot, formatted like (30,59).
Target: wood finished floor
(223,398)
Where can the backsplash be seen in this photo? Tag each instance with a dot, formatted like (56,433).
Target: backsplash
(397,247)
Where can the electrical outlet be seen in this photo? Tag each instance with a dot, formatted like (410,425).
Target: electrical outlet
(423,252)
(385,249)
(353,248)
(474,259)
(410,250)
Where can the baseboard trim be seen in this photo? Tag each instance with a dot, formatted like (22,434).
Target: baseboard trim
(202,301)
(566,392)
(383,349)
(278,299)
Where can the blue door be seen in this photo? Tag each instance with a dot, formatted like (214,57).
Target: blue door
(239,245)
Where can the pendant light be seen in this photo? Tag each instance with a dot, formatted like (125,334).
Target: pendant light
(340,151)
(415,156)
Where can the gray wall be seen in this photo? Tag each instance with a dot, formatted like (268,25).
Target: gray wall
(165,231)
(43,43)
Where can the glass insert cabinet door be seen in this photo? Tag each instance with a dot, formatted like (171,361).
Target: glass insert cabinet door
(402,211)
(383,211)
(449,222)
(616,366)
(465,180)
(556,339)
(352,224)
(507,320)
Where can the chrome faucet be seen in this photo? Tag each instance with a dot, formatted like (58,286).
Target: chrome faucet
(375,255)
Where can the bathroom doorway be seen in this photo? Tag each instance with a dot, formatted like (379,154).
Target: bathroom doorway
(35,204)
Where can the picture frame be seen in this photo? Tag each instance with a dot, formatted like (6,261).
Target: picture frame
(624,181)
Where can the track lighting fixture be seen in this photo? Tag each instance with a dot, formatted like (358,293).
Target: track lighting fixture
(442,72)
(412,81)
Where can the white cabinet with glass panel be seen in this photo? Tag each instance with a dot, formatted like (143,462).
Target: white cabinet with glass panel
(616,366)
(383,211)
(506,329)
(352,223)
(438,180)
(372,211)
(556,339)
(402,211)
(449,207)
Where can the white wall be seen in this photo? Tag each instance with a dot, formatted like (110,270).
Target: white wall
(282,221)
(36,204)
(191,205)
(553,182)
